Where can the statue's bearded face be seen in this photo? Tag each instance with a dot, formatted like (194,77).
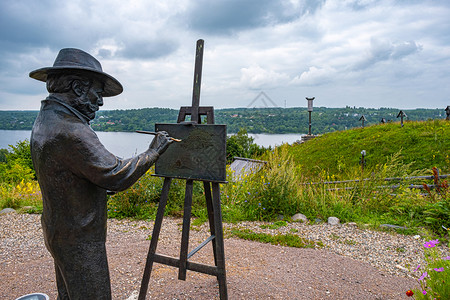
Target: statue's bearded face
(91,99)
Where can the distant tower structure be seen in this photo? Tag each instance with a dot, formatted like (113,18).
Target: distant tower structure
(310,109)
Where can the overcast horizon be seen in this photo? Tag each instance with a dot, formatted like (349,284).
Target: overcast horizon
(363,53)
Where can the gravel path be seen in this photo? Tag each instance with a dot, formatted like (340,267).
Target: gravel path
(354,264)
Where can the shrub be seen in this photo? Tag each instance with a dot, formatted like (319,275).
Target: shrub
(438,211)
(267,193)
(26,193)
(242,145)
(17,164)
(141,200)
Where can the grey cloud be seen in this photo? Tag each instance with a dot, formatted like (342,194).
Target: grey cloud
(148,49)
(35,24)
(405,48)
(383,50)
(228,16)
(104,53)
(27,27)
(362,4)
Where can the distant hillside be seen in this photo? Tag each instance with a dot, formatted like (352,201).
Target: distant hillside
(255,120)
(424,144)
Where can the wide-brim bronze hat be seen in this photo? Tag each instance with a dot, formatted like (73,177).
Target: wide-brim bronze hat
(76,60)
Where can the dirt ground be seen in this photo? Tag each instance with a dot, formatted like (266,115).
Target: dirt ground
(254,270)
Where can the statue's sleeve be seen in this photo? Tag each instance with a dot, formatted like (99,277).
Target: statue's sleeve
(89,159)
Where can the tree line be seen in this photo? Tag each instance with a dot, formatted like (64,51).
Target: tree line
(255,120)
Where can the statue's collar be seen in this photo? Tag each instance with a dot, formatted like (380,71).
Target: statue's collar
(76,112)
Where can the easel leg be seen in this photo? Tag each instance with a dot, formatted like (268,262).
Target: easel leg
(220,251)
(155,236)
(210,210)
(186,227)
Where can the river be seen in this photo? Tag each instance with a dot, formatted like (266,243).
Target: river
(126,144)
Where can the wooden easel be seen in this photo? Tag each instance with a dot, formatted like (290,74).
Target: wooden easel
(212,197)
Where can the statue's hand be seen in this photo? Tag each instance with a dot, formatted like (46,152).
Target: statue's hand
(160,142)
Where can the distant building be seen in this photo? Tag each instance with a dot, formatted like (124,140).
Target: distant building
(244,166)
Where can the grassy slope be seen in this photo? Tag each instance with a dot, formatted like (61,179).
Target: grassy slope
(424,144)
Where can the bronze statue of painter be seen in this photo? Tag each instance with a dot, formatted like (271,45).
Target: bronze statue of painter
(75,171)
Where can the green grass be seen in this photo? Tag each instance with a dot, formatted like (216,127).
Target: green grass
(422,144)
(290,240)
(275,225)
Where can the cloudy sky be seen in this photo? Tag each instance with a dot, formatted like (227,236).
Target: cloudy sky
(369,53)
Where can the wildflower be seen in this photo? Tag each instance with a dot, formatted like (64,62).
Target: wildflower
(409,293)
(428,245)
(425,274)
(416,268)
(424,292)
(446,258)
(441,269)
(431,244)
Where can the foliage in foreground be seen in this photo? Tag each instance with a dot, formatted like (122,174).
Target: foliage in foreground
(277,190)
(18,187)
(435,274)
(16,164)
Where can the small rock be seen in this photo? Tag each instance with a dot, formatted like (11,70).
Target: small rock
(351,224)
(134,296)
(317,220)
(300,218)
(333,221)
(401,268)
(25,208)
(7,211)
(392,226)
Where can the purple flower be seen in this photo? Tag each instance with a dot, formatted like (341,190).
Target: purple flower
(425,274)
(431,244)
(441,269)
(446,258)
(428,245)
(424,292)
(416,268)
